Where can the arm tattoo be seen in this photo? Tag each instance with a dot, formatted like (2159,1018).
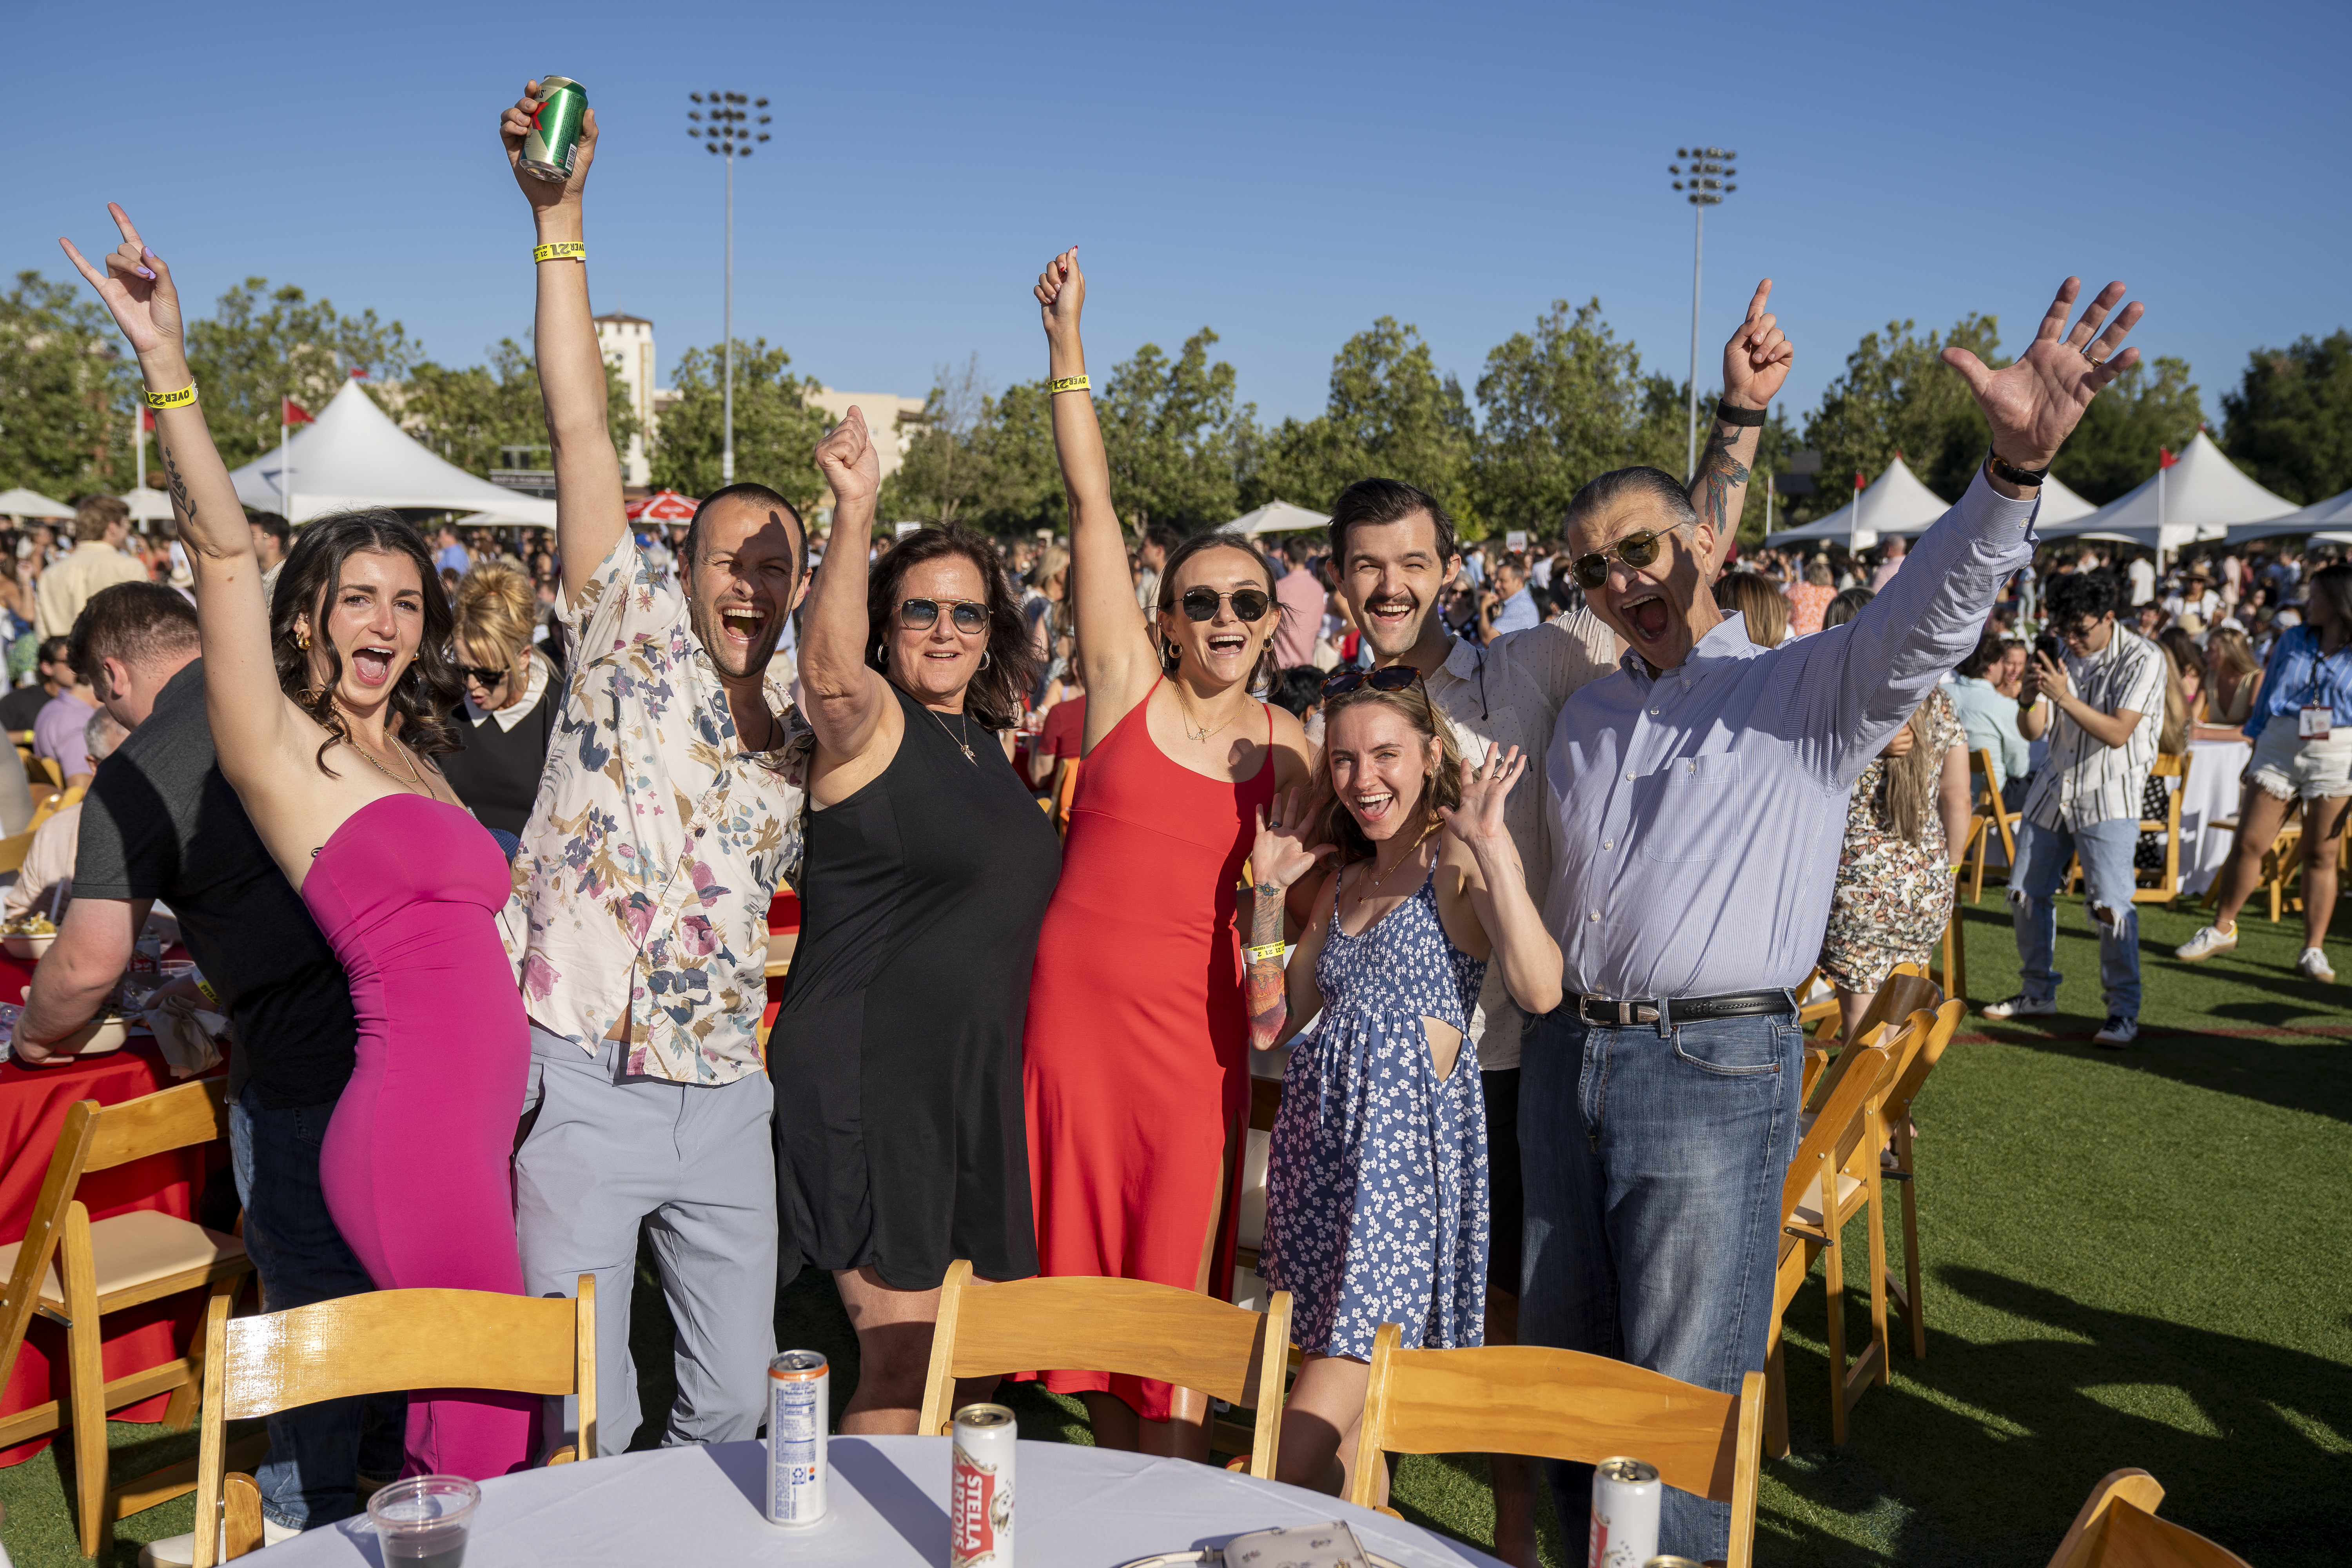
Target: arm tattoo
(1266,985)
(179,486)
(1718,473)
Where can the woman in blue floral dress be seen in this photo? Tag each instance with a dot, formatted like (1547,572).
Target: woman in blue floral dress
(1376,1183)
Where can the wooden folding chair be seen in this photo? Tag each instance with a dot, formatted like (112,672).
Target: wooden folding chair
(74,1271)
(1894,1116)
(13,849)
(1839,1127)
(2281,878)
(2168,886)
(1991,821)
(375,1343)
(1907,989)
(39,771)
(54,804)
(1952,953)
(2119,1529)
(1562,1405)
(1130,1326)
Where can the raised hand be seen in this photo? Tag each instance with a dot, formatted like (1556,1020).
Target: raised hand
(137,287)
(847,458)
(2034,404)
(514,124)
(1281,855)
(1755,360)
(1061,294)
(1485,787)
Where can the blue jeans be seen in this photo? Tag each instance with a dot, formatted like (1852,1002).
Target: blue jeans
(1653,1160)
(2105,849)
(317,1451)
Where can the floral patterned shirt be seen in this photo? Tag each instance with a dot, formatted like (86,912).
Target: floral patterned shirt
(644,873)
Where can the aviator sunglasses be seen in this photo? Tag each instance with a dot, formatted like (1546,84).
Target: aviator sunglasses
(923,614)
(1388,678)
(1635,550)
(1249,603)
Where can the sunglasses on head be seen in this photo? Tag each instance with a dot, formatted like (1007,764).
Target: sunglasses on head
(1635,550)
(923,614)
(1249,603)
(1388,678)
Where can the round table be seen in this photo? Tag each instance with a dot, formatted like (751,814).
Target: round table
(1077,1508)
(2209,795)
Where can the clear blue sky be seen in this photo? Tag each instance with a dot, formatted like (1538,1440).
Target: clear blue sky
(1285,173)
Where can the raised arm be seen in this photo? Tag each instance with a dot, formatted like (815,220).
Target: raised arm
(1114,643)
(1281,1000)
(588,517)
(844,699)
(1493,885)
(1755,363)
(250,718)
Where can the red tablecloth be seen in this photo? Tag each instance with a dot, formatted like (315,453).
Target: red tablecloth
(33,1105)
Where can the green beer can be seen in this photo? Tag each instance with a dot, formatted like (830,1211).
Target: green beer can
(553,140)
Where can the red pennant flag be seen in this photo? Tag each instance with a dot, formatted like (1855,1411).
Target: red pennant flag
(1860,484)
(2164,458)
(146,419)
(293,414)
(359,372)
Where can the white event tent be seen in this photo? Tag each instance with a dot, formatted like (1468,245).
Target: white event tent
(1896,503)
(22,502)
(2330,519)
(1276,517)
(148,505)
(2202,496)
(352,454)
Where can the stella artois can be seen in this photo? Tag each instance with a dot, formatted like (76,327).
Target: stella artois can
(554,139)
(799,1405)
(979,1510)
(1625,1499)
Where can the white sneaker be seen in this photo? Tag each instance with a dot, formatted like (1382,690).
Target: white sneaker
(2119,1032)
(2312,965)
(2023,1006)
(180,1550)
(2209,941)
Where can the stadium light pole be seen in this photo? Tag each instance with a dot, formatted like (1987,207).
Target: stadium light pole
(1702,173)
(723,123)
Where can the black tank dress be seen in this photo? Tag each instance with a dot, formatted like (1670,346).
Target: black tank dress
(896,1056)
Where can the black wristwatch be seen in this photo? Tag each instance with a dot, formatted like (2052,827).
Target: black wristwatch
(2029,477)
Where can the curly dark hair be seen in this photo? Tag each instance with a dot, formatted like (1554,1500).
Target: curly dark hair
(993,698)
(426,691)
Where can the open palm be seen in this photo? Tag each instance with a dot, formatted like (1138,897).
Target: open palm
(2035,403)
(1281,854)
(136,287)
(1485,788)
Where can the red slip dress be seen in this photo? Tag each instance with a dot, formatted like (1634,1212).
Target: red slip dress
(1135,1065)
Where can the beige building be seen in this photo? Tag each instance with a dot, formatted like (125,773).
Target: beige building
(892,420)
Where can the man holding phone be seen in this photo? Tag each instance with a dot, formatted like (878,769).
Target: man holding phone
(2108,693)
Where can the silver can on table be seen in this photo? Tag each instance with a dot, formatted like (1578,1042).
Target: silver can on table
(1625,1500)
(800,1402)
(979,1507)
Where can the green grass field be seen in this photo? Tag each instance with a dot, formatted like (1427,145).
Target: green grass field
(2134,1258)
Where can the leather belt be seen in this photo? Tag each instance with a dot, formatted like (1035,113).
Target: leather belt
(1628,1012)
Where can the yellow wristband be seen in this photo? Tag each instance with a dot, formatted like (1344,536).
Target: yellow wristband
(1265,951)
(206,986)
(1068,383)
(184,398)
(561,250)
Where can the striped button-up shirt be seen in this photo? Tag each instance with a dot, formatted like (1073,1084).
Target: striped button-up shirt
(2083,780)
(1698,812)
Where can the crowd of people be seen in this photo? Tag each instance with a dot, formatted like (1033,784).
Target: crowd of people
(1469,834)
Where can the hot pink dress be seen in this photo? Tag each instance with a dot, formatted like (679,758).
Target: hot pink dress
(415,1162)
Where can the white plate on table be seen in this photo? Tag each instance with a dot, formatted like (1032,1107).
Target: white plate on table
(35,947)
(94,1039)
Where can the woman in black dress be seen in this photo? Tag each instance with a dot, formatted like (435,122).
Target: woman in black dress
(511,695)
(900,1144)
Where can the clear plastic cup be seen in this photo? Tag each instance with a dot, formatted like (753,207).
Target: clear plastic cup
(421,1522)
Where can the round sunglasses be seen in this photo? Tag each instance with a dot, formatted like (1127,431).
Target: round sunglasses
(1249,603)
(969,616)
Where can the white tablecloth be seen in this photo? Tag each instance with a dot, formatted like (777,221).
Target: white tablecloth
(1075,1507)
(2211,795)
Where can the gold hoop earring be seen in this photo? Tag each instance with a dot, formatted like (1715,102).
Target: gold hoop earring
(983,658)
(302,641)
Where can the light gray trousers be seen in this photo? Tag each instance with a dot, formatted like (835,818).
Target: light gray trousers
(698,1165)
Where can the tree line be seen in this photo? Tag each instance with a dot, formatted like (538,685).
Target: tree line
(1552,406)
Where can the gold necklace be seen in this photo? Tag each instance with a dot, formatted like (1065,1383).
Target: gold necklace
(964,746)
(1192,731)
(415,777)
(1372,884)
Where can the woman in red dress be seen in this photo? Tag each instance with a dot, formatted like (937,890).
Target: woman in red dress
(1135,1059)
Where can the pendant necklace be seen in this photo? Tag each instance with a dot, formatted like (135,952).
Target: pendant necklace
(1192,731)
(415,778)
(964,746)
(1373,886)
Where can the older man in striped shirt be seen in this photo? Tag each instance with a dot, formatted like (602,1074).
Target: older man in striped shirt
(1700,798)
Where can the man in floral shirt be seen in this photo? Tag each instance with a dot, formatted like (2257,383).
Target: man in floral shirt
(660,834)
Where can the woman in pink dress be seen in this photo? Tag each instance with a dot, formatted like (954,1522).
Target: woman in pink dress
(328,708)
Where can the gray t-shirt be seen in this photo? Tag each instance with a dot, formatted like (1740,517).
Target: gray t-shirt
(160,822)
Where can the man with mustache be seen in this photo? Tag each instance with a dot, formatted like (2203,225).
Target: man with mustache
(1394,548)
(662,828)
(1699,796)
